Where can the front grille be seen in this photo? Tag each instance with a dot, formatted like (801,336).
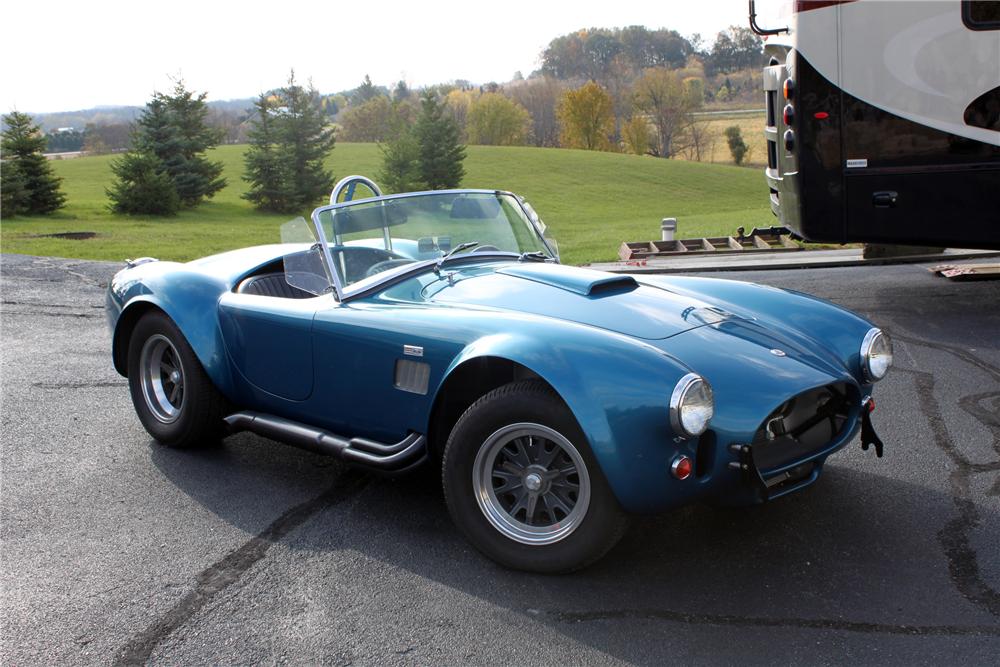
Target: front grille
(803,425)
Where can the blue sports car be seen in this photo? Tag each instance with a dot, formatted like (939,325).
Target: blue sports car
(440,326)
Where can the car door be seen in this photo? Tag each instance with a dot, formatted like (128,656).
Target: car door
(269,342)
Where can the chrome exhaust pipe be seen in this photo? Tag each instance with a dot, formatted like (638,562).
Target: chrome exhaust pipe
(377,456)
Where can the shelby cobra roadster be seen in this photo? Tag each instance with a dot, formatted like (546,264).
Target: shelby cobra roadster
(440,326)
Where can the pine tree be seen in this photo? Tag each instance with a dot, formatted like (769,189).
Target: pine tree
(441,153)
(13,193)
(401,163)
(169,139)
(142,185)
(195,176)
(264,169)
(306,141)
(289,142)
(34,188)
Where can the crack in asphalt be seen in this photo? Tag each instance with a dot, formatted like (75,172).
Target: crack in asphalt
(6,302)
(79,385)
(955,536)
(230,568)
(48,313)
(960,352)
(765,622)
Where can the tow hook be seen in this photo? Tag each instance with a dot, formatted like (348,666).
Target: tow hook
(868,435)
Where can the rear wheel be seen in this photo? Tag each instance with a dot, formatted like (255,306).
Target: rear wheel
(173,396)
(522,485)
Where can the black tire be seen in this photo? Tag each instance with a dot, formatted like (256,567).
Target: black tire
(526,407)
(192,417)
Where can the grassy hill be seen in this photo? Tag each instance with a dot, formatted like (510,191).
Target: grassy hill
(591,201)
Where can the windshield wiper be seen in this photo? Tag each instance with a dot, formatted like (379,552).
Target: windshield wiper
(459,248)
(534,256)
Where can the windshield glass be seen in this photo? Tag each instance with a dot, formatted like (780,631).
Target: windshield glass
(376,235)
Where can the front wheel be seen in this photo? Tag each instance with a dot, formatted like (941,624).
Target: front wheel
(522,485)
(173,396)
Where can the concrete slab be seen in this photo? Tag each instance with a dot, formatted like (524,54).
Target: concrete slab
(780,260)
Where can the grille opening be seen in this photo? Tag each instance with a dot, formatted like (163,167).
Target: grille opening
(771,103)
(704,455)
(772,154)
(803,425)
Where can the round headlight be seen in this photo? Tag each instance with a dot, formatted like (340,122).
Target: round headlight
(876,355)
(691,406)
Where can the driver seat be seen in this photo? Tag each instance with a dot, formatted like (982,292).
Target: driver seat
(271,284)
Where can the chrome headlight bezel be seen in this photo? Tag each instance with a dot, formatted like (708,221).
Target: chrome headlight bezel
(876,341)
(686,389)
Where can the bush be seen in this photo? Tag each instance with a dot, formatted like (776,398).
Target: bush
(737,146)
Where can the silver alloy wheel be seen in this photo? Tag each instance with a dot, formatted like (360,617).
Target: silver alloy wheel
(161,375)
(531,483)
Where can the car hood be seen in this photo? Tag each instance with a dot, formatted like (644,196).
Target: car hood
(614,302)
(754,368)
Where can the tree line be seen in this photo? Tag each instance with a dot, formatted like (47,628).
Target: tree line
(624,89)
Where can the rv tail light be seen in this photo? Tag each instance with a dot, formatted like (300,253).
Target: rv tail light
(788,114)
(789,89)
(821,115)
(681,467)
(789,138)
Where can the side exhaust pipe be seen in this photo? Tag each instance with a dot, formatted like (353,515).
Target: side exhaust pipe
(393,459)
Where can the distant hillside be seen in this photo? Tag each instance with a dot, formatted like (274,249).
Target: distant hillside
(112,115)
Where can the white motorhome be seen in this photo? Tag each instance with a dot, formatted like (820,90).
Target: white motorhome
(883,120)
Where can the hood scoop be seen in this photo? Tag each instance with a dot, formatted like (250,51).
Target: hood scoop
(585,282)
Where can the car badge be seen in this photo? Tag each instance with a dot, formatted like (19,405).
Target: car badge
(413,350)
(778,353)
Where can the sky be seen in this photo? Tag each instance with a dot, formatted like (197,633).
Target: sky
(65,56)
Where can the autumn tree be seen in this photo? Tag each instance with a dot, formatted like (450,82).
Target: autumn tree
(495,120)
(373,121)
(636,135)
(662,96)
(28,182)
(540,97)
(734,49)
(586,117)
(457,104)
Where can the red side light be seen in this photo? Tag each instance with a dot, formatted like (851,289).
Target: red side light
(871,404)
(681,467)
(789,140)
(788,114)
(821,115)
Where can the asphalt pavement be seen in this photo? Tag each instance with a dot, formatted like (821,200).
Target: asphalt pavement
(118,550)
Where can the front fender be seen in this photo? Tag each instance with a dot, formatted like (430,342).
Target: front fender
(618,389)
(190,298)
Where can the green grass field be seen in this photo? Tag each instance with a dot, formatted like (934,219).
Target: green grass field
(591,201)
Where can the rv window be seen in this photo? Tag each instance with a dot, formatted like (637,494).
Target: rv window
(981,14)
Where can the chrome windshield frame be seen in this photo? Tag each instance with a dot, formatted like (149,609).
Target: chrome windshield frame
(340,292)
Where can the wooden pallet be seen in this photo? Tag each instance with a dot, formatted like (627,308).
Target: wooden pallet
(755,242)
(967,271)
